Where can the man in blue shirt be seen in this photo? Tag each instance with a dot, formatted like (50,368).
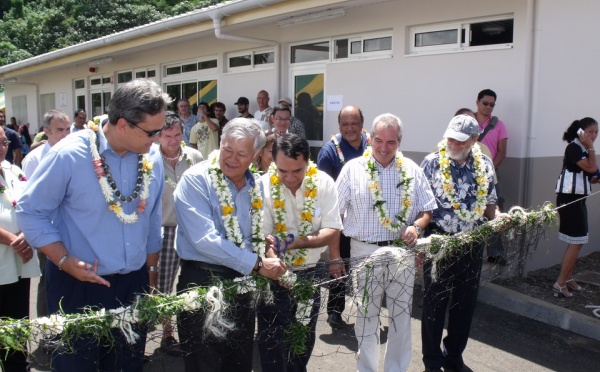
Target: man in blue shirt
(350,143)
(100,225)
(218,204)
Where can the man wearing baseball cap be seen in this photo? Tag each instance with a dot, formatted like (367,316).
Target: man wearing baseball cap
(465,200)
(296,126)
(242,105)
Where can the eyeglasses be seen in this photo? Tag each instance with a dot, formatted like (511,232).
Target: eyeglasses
(5,143)
(279,118)
(150,133)
(486,103)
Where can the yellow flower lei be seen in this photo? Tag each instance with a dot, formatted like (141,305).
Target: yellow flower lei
(448,185)
(297,257)
(230,220)
(377,195)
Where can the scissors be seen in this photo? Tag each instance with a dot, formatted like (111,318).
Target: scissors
(289,239)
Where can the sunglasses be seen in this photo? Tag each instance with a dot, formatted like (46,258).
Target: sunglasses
(486,103)
(150,133)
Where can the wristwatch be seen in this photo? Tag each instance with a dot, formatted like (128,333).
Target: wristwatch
(418,228)
(259,264)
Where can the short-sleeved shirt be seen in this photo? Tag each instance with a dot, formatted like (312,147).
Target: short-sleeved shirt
(494,136)
(187,127)
(205,139)
(573,179)
(329,160)
(326,212)
(15,143)
(444,217)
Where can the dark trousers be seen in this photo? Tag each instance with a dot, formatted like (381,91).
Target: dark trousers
(42,308)
(87,352)
(206,352)
(14,303)
(455,288)
(274,320)
(336,303)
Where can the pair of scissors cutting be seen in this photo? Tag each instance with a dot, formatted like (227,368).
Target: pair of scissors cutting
(289,239)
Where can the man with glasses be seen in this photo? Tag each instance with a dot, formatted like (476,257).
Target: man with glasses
(100,225)
(494,136)
(80,118)
(296,125)
(189,119)
(13,154)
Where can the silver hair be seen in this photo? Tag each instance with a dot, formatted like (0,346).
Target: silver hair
(52,115)
(387,121)
(242,128)
(135,100)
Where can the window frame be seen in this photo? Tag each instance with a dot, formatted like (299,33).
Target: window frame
(458,46)
(253,66)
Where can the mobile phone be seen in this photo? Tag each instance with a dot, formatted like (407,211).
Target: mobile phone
(580,132)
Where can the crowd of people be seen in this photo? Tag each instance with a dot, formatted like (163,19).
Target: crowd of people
(178,192)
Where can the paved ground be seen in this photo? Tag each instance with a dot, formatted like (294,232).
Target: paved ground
(500,341)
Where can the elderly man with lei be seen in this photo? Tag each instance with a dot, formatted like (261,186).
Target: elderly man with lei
(462,180)
(220,235)
(301,214)
(383,197)
(93,207)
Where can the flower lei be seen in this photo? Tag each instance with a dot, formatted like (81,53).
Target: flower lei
(306,215)
(448,185)
(377,195)
(94,124)
(230,220)
(339,150)
(3,189)
(110,195)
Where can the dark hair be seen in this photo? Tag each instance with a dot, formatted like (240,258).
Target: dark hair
(23,130)
(362,118)
(571,132)
(77,112)
(173,120)
(220,105)
(463,111)
(292,146)
(205,104)
(135,100)
(280,108)
(486,92)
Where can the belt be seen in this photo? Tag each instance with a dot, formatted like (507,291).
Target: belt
(199,265)
(383,243)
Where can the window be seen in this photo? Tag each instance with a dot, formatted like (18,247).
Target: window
(80,93)
(47,102)
(80,84)
(463,36)
(250,60)
(312,52)
(124,77)
(188,67)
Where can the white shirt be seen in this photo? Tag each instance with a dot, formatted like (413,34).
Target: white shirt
(326,210)
(33,159)
(263,117)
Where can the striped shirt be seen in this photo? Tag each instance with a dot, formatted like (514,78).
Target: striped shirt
(361,220)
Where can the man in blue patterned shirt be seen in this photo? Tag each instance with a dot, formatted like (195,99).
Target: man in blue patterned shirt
(462,180)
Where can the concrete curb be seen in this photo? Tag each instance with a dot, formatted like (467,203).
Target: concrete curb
(533,308)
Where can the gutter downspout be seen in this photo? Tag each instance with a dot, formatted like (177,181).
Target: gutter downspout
(217,17)
(532,84)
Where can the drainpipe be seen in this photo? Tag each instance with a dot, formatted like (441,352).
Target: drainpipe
(216,17)
(533,76)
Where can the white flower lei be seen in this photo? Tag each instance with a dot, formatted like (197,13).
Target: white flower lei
(306,215)
(448,185)
(377,195)
(230,220)
(336,143)
(113,203)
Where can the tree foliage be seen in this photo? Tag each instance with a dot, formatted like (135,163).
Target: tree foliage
(29,28)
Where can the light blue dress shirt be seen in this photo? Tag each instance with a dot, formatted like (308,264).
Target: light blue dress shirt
(201,235)
(63,202)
